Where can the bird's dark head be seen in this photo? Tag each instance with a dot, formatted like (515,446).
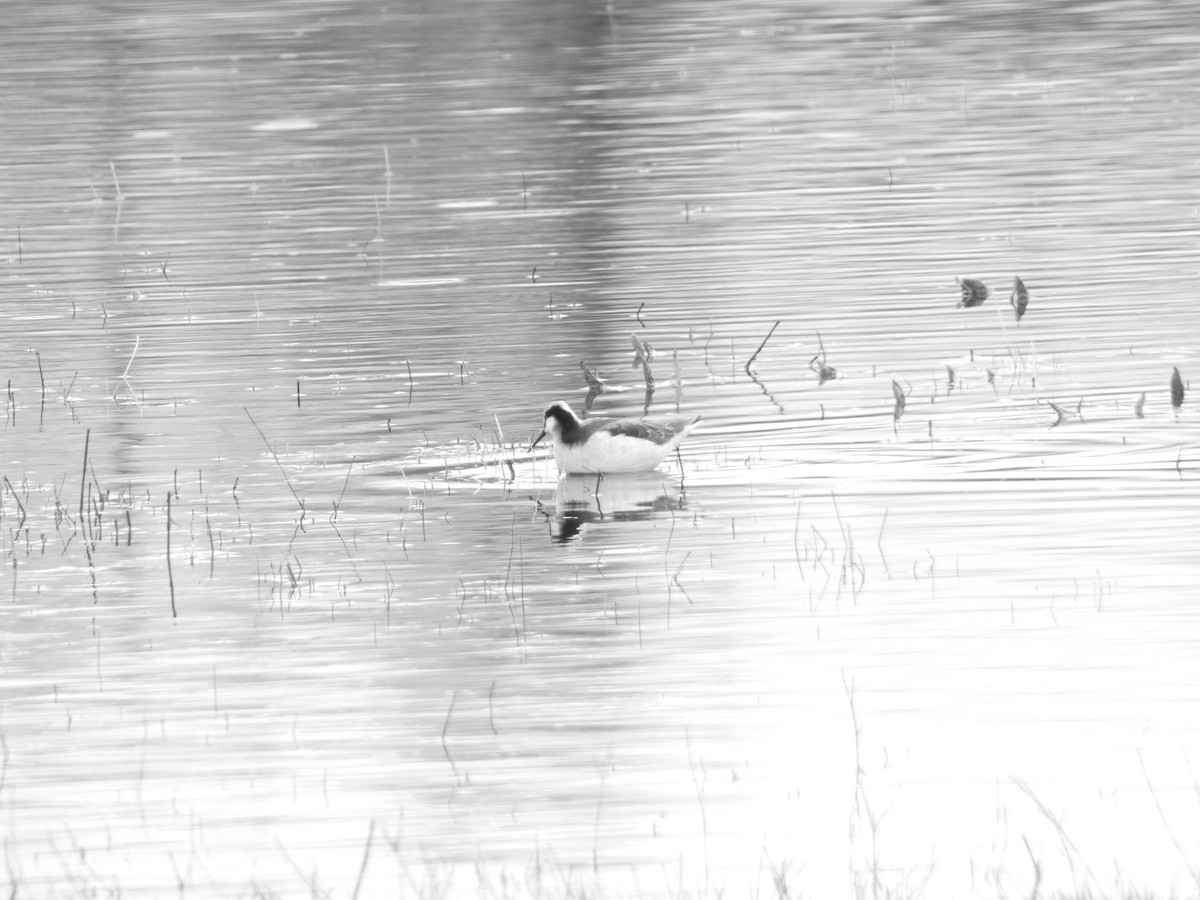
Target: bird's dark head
(558,416)
(557,421)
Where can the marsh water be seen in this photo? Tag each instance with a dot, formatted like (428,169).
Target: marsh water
(290,608)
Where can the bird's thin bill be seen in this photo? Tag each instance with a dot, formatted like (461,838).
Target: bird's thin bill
(537,440)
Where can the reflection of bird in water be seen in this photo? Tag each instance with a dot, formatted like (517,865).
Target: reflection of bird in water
(603,446)
(580,500)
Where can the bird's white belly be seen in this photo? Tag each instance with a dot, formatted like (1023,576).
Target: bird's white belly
(607,453)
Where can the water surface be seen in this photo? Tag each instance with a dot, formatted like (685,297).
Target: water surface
(289,605)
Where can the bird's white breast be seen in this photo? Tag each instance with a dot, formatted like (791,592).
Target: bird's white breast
(604,452)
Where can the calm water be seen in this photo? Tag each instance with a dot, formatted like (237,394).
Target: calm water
(288,606)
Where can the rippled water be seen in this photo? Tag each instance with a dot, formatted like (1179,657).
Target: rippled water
(290,607)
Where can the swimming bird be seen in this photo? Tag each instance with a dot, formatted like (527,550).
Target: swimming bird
(602,446)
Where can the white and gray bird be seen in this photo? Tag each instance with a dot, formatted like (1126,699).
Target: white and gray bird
(602,446)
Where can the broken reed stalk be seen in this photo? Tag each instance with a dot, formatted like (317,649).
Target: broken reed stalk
(212,547)
(362,869)
(42,376)
(445,728)
(83,481)
(275,457)
(170,576)
(387,175)
(698,782)
(753,357)
(345,484)
(643,353)
(137,343)
(20,507)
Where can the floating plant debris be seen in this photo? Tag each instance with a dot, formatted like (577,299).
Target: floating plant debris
(898,406)
(1019,298)
(974,292)
(825,372)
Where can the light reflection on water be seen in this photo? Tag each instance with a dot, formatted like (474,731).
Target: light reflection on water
(314,275)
